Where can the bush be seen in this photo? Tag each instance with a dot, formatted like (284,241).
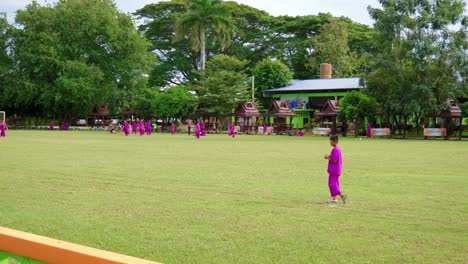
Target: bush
(464,109)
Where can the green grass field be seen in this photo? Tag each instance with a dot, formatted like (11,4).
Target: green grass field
(255,199)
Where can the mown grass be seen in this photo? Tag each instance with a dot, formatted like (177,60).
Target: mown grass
(254,199)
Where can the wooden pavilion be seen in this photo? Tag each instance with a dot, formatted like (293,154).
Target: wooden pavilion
(245,117)
(451,113)
(100,116)
(281,113)
(330,110)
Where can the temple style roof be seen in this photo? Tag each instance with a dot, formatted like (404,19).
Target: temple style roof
(280,109)
(452,111)
(247,109)
(331,108)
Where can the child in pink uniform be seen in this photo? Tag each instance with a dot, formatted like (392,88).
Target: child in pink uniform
(232,131)
(197,130)
(142,127)
(172,128)
(202,128)
(335,164)
(3,127)
(148,128)
(134,128)
(126,127)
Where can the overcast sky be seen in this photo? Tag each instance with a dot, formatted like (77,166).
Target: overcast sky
(354,9)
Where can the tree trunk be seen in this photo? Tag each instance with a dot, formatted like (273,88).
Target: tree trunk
(203,51)
(461,128)
(405,118)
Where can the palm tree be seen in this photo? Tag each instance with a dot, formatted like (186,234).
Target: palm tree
(204,17)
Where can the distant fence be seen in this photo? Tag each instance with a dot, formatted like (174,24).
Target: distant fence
(435,132)
(381,132)
(324,131)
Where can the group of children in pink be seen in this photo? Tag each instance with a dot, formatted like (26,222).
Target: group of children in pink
(200,129)
(140,126)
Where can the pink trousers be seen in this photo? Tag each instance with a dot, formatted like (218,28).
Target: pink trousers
(334,185)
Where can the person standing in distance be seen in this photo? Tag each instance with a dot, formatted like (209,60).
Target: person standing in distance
(335,164)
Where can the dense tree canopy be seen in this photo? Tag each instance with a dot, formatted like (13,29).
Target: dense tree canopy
(6,62)
(332,46)
(62,59)
(255,36)
(421,59)
(356,106)
(224,86)
(73,55)
(270,74)
(175,102)
(204,19)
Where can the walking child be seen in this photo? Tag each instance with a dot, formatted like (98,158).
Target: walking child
(232,131)
(197,130)
(142,127)
(172,128)
(51,126)
(3,127)
(134,128)
(126,127)
(148,128)
(202,128)
(335,163)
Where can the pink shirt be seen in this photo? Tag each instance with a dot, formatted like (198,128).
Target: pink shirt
(335,163)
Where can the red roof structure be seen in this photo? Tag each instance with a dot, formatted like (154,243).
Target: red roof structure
(280,109)
(331,108)
(247,109)
(452,111)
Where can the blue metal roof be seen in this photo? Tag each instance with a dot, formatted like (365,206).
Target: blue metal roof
(319,85)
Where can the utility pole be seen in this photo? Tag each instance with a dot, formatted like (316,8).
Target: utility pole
(253,89)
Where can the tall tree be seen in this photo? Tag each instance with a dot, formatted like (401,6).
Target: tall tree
(251,35)
(75,54)
(270,74)
(204,18)
(332,46)
(251,39)
(356,107)
(176,60)
(290,38)
(422,47)
(6,62)
(175,102)
(223,87)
